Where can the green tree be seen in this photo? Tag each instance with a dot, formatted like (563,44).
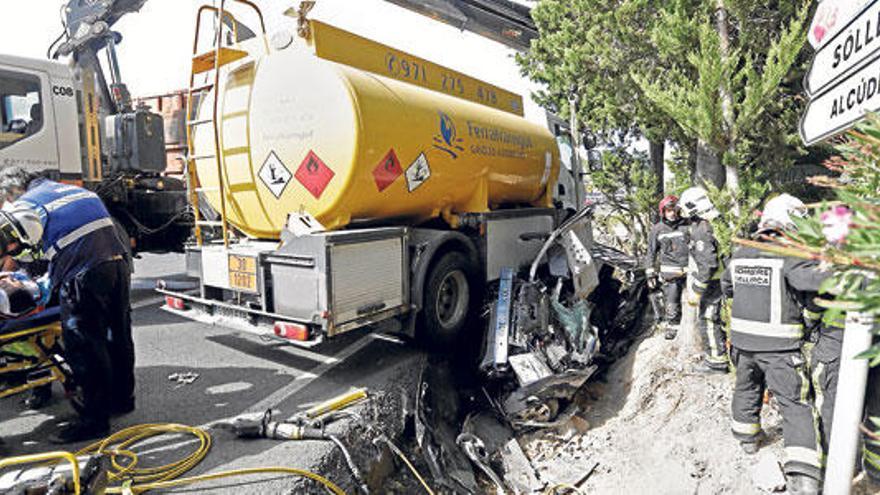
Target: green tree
(733,65)
(583,58)
(718,77)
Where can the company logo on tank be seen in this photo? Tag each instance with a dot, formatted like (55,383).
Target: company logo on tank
(447,140)
(495,141)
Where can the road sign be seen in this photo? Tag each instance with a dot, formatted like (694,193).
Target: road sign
(855,41)
(843,103)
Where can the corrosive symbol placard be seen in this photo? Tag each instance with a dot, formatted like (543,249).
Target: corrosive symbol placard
(314,174)
(275,174)
(387,171)
(417,173)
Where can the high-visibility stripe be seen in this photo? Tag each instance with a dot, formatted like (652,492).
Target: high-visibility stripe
(803,455)
(699,284)
(714,353)
(761,329)
(670,234)
(678,270)
(66,200)
(812,315)
(749,429)
(78,234)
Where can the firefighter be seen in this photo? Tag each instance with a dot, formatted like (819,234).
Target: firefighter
(769,293)
(89,270)
(705,291)
(668,241)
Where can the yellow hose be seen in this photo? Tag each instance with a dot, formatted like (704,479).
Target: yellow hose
(135,480)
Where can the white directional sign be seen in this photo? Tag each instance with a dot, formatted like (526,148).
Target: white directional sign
(855,41)
(843,103)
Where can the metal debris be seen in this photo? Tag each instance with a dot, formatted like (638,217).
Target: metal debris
(184,378)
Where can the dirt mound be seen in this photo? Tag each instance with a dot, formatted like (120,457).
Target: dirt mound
(655,426)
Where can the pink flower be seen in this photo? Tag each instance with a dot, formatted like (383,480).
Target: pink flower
(836,223)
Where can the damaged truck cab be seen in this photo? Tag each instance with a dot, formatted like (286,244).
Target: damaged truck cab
(358,185)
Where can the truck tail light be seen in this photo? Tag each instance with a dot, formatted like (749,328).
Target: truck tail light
(291,331)
(175,303)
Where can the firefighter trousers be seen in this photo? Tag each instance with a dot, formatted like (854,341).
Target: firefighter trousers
(709,323)
(672,289)
(824,371)
(784,373)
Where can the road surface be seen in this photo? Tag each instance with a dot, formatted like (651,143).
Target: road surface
(237,373)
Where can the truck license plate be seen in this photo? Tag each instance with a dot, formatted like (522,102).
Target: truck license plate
(243,273)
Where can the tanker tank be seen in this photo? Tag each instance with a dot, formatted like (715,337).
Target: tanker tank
(344,143)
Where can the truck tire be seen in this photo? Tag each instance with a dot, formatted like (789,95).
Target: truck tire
(449,297)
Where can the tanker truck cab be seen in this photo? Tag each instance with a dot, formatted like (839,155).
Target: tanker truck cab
(357,186)
(39,120)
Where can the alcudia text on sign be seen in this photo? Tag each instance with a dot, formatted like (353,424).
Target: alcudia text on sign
(843,103)
(849,46)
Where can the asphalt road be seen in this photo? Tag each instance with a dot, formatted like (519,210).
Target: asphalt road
(237,373)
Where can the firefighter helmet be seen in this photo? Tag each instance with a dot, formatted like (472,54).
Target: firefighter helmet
(670,201)
(779,212)
(695,202)
(21,226)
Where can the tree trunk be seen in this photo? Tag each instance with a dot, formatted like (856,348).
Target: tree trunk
(657,150)
(723,28)
(709,168)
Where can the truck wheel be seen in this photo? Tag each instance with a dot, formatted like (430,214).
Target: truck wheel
(448,296)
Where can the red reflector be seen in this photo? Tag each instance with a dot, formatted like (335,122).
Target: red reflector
(175,303)
(292,331)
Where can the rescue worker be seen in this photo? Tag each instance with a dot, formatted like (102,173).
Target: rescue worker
(668,241)
(705,291)
(89,270)
(769,292)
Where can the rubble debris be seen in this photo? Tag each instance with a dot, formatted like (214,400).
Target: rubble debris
(475,449)
(767,474)
(520,473)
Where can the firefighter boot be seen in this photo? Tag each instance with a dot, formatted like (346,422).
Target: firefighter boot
(750,448)
(801,484)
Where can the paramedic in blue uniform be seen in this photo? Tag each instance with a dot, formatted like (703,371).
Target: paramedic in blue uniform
(90,272)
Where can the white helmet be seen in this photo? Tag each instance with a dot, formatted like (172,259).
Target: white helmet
(694,202)
(778,213)
(21,225)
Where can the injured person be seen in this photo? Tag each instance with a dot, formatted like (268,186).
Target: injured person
(22,303)
(20,295)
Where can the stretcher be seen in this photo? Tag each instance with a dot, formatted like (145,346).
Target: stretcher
(29,352)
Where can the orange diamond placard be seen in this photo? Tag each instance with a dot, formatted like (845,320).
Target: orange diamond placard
(314,174)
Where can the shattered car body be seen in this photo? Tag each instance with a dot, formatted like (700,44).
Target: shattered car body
(550,330)
(542,337)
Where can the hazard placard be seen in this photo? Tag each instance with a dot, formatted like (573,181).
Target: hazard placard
(387,171)
(418,173)
(274,174)
(314,174)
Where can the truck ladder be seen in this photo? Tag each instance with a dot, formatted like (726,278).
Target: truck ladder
(203,63)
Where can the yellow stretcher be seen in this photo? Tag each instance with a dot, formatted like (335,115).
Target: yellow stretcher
(29,349)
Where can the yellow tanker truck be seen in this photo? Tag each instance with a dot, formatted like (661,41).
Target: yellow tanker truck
(356,185)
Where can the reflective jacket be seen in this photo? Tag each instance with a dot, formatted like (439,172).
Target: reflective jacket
(78,232)
(704,251)
(770,294)
(669,240)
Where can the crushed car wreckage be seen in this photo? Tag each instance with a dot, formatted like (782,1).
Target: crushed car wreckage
(549,330)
